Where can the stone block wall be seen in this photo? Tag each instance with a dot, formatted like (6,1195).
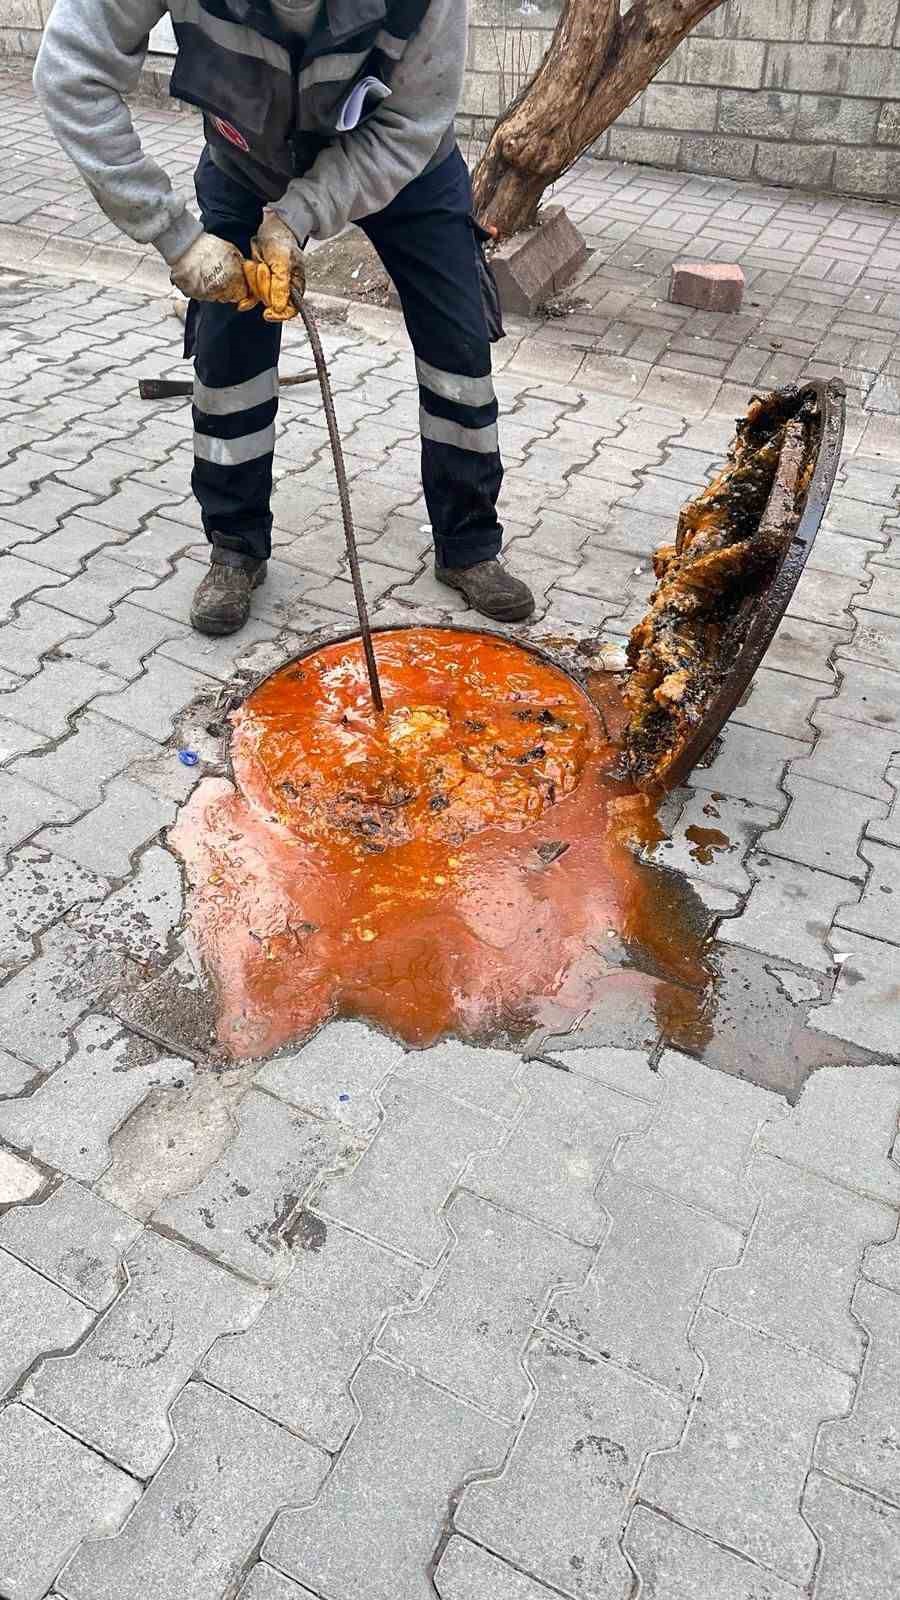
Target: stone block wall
(796,92)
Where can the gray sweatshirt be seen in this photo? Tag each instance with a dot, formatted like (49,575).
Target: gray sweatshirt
(92,54)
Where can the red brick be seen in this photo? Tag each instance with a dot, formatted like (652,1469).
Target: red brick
(707,286)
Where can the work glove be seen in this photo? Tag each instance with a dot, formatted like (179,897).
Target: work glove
(212,269)
(276,270)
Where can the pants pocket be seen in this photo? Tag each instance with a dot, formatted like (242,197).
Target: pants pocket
(490,294)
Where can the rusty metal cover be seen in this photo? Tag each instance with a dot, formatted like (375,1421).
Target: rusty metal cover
(769,607)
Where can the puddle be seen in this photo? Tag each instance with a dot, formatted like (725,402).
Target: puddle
(458,867)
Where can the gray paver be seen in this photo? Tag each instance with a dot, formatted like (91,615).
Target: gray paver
(335,1075)
(558,1504)
(104,840)
(863,1009)
(34,1316)
(739,1471)
(824,597)
(875,643)
(789,913)
(44,999)
(796,1276)
(823,828)
(24,809)
(750,766)
(264,1583)
(479,1077)
(805,649)
(877,914)
(330,1308)
(36,628)
(67,1122)
(675,1563)
(99,587)
(628,1071)
(48,700)
(140,917)
(53,1494)
(469,1334)
(866,694)
(694,848)
(21,578)
(241,1211)
(397,1191)
(154,700)
(638,1302)
(230,1471)
(549,1167)
(18,1180)
(698,1145)
(865,1447)
(881,1264)
(75,1239)
(14,1075)
(121,645)
(850,756)
(37,890)
(115,1391)
(80,766)
(844,1128)
(467,1572)
(379,1516)
(860,1538)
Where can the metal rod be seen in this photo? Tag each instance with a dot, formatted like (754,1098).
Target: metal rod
(176,388)
(340,473)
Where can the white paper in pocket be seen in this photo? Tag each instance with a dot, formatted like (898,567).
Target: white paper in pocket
(353,106)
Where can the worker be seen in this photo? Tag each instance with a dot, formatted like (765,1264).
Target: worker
(316,113)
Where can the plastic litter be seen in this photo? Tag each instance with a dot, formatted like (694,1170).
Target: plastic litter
(188,758)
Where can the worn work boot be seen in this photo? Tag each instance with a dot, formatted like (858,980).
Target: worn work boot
(221,603)
(490,589)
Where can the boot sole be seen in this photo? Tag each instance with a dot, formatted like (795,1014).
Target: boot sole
(216,628)
(512,613)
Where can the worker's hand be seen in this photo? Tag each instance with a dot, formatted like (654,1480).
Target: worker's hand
(212,269)
(276,270)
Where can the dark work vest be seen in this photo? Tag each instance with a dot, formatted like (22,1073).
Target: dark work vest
(272,101)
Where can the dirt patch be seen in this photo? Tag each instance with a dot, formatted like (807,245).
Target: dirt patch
(348,267)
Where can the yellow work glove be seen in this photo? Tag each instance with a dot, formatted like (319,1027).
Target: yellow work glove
(276,270)
(211,269)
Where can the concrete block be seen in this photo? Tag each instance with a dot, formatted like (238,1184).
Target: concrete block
(707,286)
(867,172)
(860,1538)
(336,1074)
(53,1494)
(711,838)
(532,267)
(219,1489)
(79,767)
(844,1129)
(375,1525)
(75,1239)
(739,1470)
(865,1447)
(834,119)
(876,914)
(849,759)
(467,1572)
(759,113)
(116,1390)
(105,839)
(645,146)
(721,156)
(668,105)
(675,1563)
(750,765)
(789,913)
(34,1316)
(566,1484)
(822,829)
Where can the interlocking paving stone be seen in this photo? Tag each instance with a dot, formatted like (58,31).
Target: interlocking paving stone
(241,1211)
(120,646)
(875,643)
(824,597)
(796,1276)
(850,757)
(75,1239)
(335,1075)
(696,845)
(115,1391)
(789,912)
(151,704)
(34,1316)
(18,1180)
(469,1333)
(549,1167)
(805,649)
(677,1564)
(67,1122)
(750,766)
(397,1191)
(863,1009)
(379,1516)
(739,1471)
(36,628)
(884,594)
(881,1264)
(104,839)
(865,1447)
(839,553)
(557,1506)
(878,912)
(264,1583)
(48,700)
(480,1077)
(844,1128)
(14,1075)
(140,917)
(866,694)
(44,999)
(24,809)
(626,1070)
(860,1541)
(467,1572)
(53,1494)
(228,1474)
(37,890)
(80,766)
(330,1308)
(16,740)
(823,828)
(637,1304)
(698,1145)
(66,550)
(99,587)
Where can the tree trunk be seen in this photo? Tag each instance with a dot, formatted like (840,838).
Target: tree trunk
(597,62)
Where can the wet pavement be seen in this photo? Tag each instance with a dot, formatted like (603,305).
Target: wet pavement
(616,1311)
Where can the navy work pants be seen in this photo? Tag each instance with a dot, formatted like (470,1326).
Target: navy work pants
(427,241)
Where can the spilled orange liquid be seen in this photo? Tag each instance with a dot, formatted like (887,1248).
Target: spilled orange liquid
(458,865)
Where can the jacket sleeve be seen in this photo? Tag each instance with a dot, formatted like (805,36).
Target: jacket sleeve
(365,169)
(90,58)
